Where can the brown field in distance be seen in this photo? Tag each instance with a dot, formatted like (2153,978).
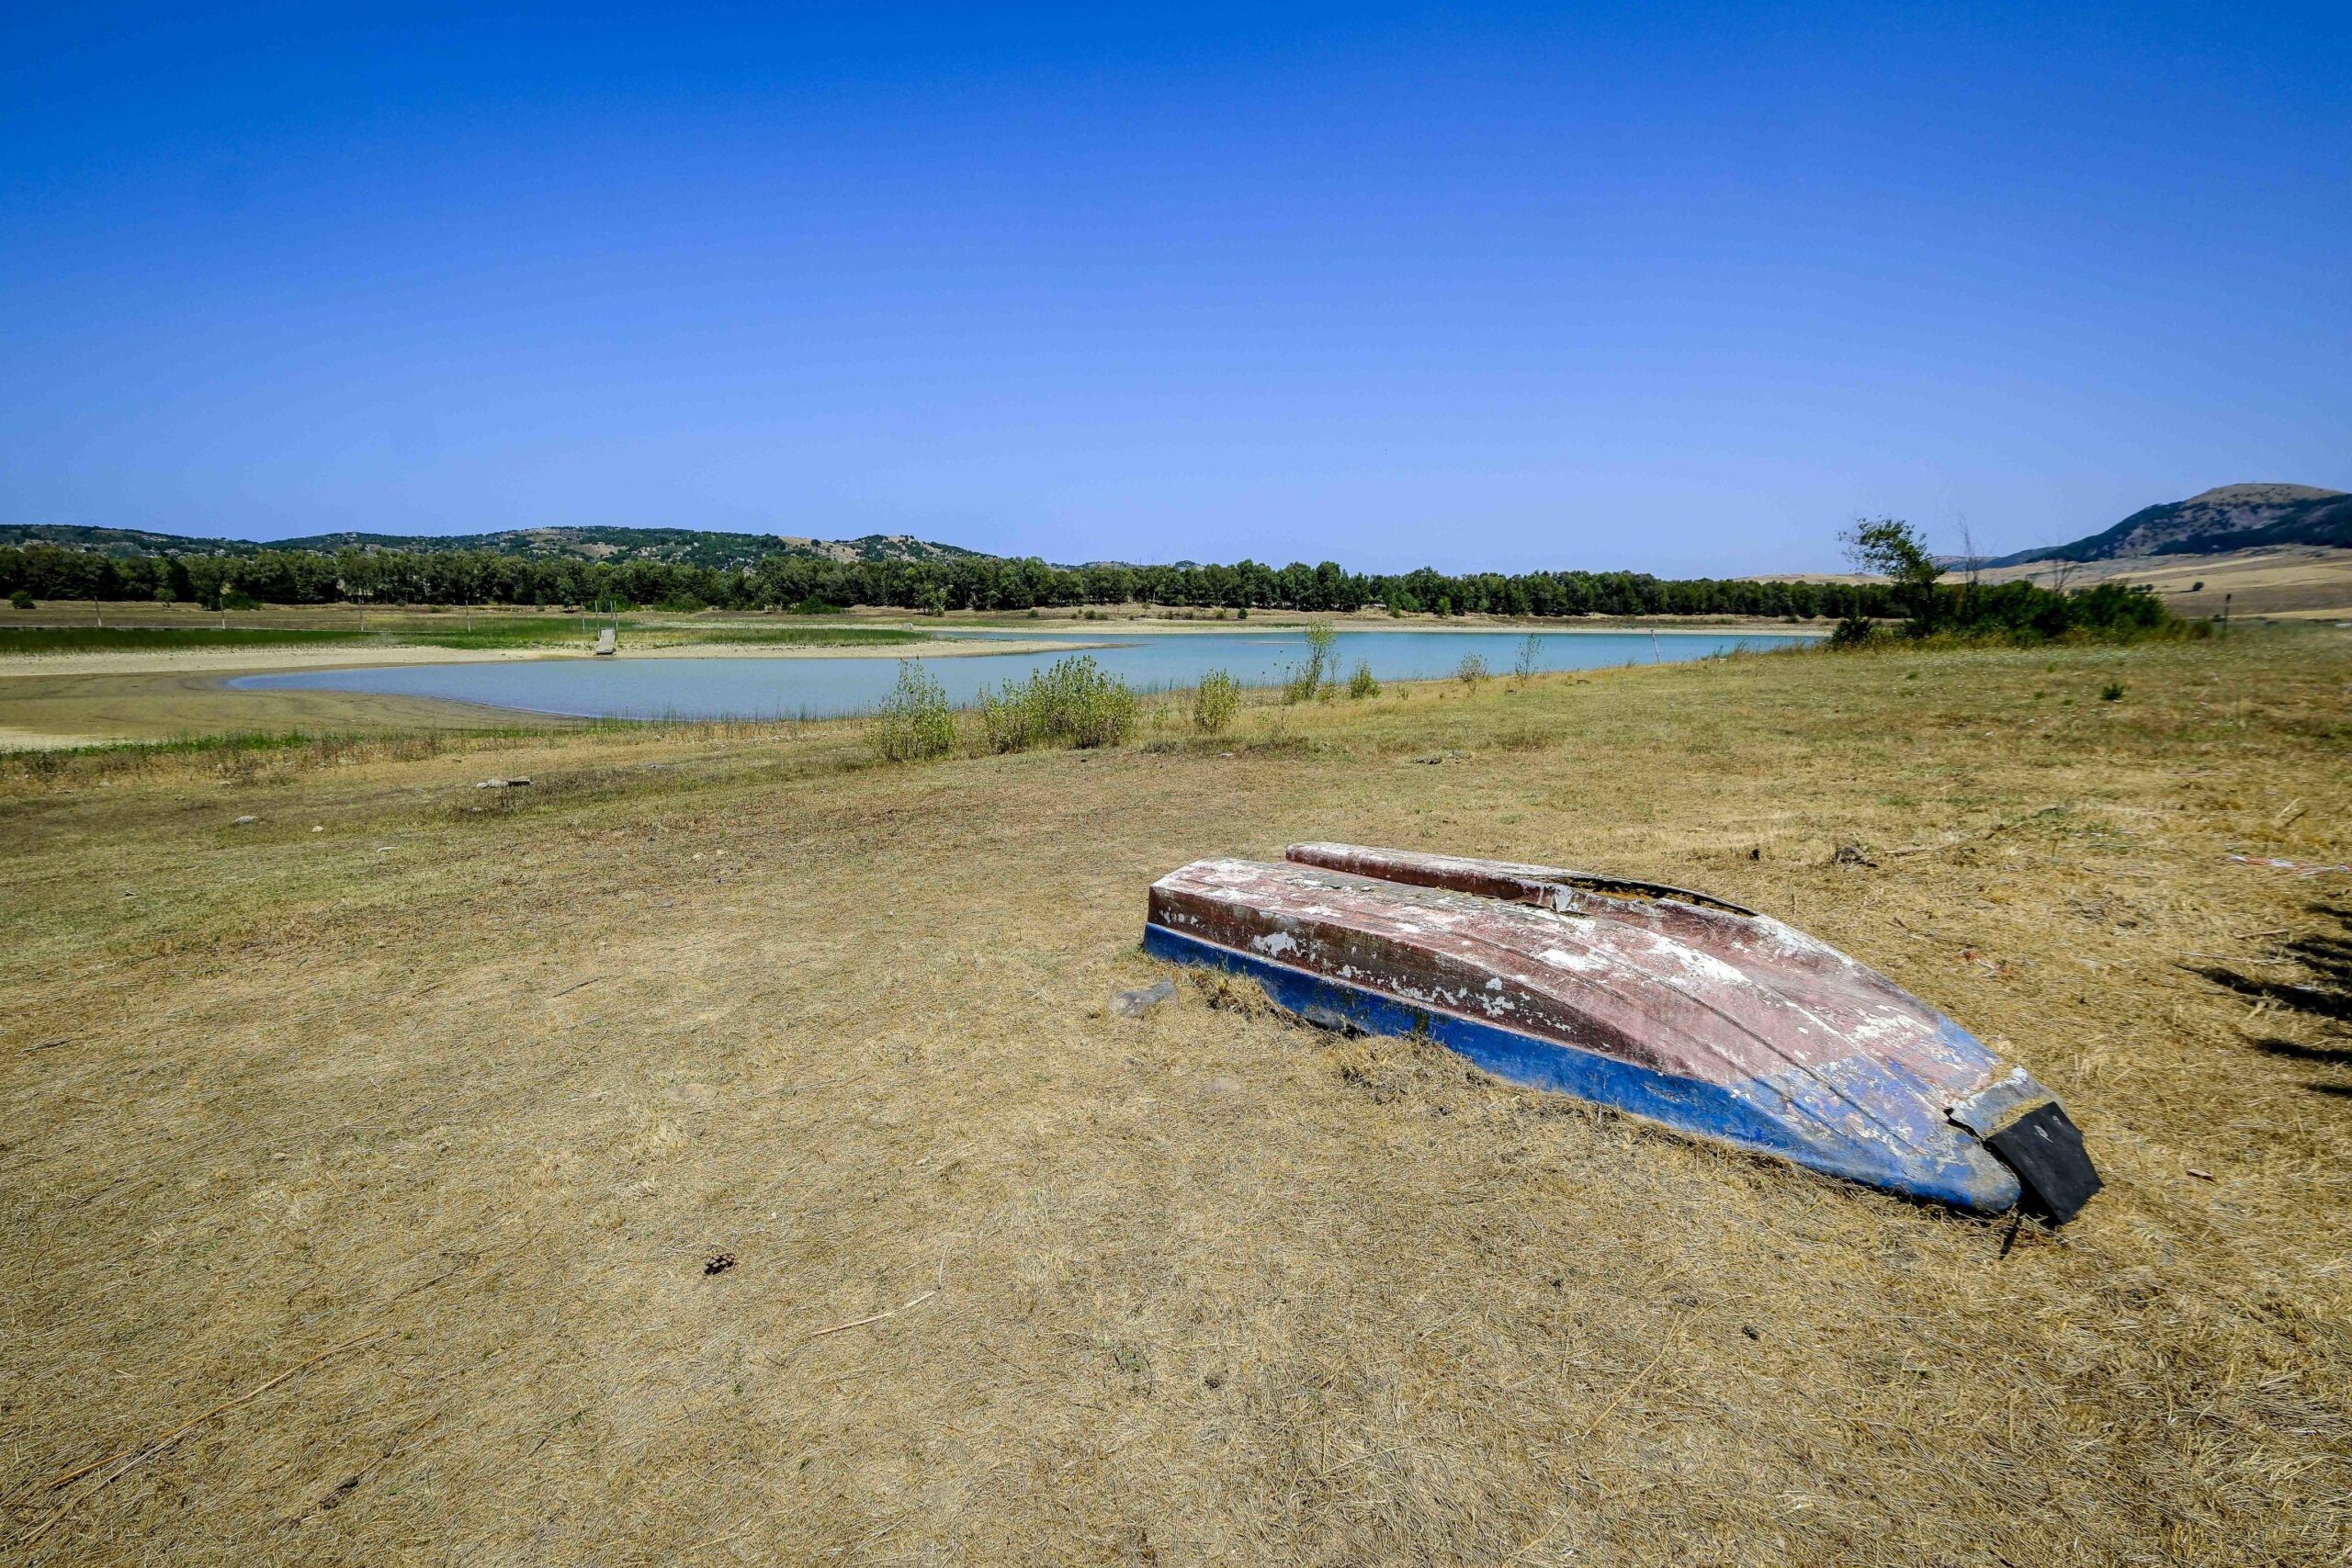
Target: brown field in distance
(2286,583)
(484,1081)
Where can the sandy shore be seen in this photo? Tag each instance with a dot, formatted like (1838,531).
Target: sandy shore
(945,648)
(260,660)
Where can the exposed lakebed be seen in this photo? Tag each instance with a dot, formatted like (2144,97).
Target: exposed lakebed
(623,687)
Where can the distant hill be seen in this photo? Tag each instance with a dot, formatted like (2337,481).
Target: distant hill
(119,542)
(2234,517)
(673,546)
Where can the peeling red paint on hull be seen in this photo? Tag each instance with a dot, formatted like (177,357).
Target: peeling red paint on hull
(1667,1003)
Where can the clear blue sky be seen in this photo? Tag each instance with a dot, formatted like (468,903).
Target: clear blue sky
(1673,288)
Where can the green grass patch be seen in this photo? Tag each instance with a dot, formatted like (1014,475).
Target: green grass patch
(809,636)
(91,639)
(498,631)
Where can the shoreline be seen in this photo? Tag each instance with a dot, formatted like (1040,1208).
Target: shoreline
(950,643)
(1458,627)
(282,657)
(61,701)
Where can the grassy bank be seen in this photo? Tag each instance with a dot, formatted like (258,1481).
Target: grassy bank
(165,707)
(17,641)
(496,1077)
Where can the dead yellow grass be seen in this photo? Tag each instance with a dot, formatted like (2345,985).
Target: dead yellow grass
(2288,583)
(492,1076)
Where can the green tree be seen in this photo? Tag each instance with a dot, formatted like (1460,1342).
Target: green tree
(1891,548)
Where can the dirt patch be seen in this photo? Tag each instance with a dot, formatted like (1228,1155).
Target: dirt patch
(1015,1279)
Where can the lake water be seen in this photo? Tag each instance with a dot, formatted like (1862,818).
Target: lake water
(623,687)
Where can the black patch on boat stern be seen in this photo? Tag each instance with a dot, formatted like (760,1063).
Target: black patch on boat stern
(2046,1151)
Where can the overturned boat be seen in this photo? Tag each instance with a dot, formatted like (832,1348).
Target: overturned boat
(1666,1003)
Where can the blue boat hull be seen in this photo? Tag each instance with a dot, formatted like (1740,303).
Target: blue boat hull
(1751,1115)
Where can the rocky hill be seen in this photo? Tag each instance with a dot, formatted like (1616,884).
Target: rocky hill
(681,546)
(2233,517)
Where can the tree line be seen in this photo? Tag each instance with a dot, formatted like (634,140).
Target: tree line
(1915,590)
(976,582)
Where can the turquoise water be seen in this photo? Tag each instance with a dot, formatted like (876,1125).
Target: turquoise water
(825,688)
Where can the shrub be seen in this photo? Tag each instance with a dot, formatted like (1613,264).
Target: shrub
(913,724)
(2017,613)
(1471,670)
(1308,683)
(2111,692)
(1361,684)
(1530,651)
(1215,701)
(1853,631)
(1072,702)
(20,600)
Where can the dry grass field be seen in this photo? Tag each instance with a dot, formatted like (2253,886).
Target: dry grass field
(367,1168)
(2283,582)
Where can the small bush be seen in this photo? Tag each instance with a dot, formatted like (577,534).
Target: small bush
(2111,692)
(1072,702)
(1215,701)
(1308,683)
(1531,654)
(1361,684)
(913,724)
(20,600)
(1471,670)
(1853,631)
